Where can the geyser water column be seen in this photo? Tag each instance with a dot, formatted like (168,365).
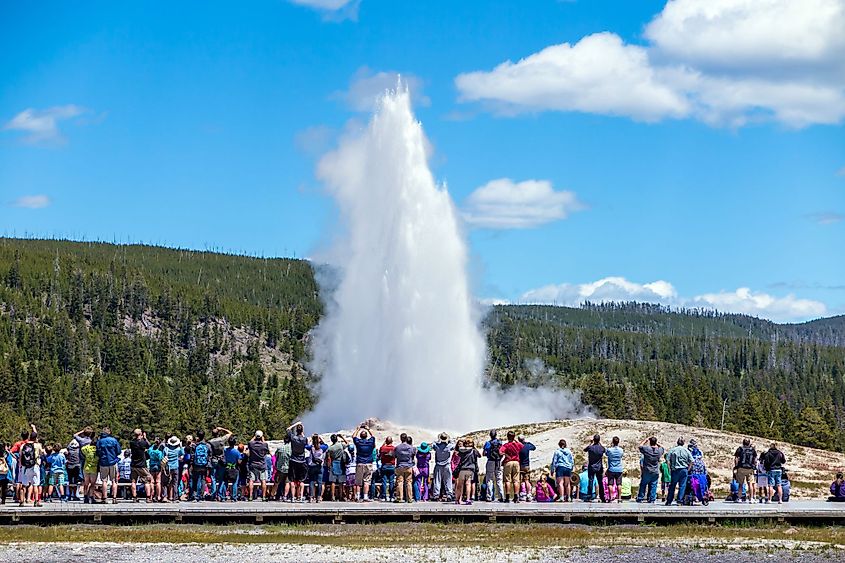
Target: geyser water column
(399,340)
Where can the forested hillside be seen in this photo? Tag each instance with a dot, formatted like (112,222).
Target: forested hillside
(173,340)
(134,335)
(644,362)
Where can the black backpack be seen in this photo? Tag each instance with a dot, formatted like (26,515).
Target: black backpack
(494,454)
(746,458)
(28,455)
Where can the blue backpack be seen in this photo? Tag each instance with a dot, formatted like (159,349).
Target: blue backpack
(201,455)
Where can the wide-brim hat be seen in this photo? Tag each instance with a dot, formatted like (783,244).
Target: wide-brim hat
(425,447)
(173,441)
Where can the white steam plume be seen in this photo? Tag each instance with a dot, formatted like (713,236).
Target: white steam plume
(400,339)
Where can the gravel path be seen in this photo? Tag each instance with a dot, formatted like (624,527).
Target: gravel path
(254,553)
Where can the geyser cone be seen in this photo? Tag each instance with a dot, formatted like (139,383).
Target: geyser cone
(399,340)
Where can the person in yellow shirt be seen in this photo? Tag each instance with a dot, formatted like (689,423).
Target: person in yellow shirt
(90,469)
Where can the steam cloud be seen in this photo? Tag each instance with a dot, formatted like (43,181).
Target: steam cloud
(400,339)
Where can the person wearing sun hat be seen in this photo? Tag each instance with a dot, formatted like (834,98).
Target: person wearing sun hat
(173,453)
(422,473)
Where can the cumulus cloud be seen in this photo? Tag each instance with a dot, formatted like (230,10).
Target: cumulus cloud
(826,217)
(42,125)
(599,74)
(367,86)
(743,300)
(618,289)
(724,62)
(32,201)
(332,10)
(608,289)
(505,204)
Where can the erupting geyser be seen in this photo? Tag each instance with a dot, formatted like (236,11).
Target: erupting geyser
(400,339)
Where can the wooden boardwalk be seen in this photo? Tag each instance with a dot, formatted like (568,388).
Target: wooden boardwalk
(128,512)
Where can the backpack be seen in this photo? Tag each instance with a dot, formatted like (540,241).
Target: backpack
(28,455)
(494,454)
(155,459)
(746,458)
(4,465)
(201,453)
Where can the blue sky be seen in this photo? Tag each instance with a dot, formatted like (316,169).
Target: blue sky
(637,150)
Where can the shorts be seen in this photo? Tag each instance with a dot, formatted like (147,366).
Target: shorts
(257,474)
(74,475)
(762,480)
(140,474)
(339,479)
(511,472)
(363,474)
(774,477)
(614,477)
(744,475)
(172,475)
(58,478)
(108,473)
(561,472)
(524,470)
(30,476)
(296,472)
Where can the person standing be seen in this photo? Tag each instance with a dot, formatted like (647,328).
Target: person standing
(30,454)
(525,460)
(615,468)
(698,474)
(442,486)
(595,468)
(337,473)
(511,451)
(258,448)
(365,445)
(423,469)
(652,455)
(773,461)
(387,457)
(232,458)
(139,452)
(562,465)
(174,453)
(108,452)
(219,439)
(315,457)
(680,463)
(493,468)
(467,467)
(74,469)
(405,454)
(200,465)
(745,461)
(281,484)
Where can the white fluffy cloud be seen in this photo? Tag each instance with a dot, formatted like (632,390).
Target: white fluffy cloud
(367,86)
(505,204)
(725,62)
(599,74)
(755,34)
(619,289)
(42,125)
(32,201)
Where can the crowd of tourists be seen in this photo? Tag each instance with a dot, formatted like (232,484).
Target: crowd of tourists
(96,468)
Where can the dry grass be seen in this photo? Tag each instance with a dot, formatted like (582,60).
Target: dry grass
(505,536)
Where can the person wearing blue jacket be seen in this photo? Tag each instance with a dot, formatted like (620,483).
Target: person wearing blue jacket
(108,451)
(562,464)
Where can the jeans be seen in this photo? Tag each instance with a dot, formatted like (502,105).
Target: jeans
(679,478)
(388,478)
(442,485)
(218,480)
(493,480)
(599,480)
(197,484)
(315,476)
(648,483)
